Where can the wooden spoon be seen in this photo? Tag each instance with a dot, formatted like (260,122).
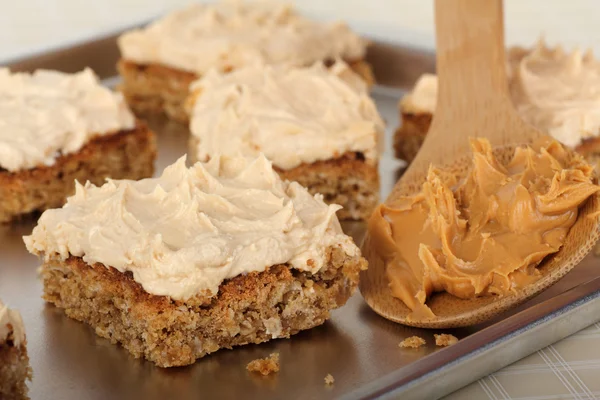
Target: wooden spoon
(473,101)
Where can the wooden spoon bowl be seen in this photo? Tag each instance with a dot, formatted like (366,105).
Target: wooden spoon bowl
(472,101)
(451,311)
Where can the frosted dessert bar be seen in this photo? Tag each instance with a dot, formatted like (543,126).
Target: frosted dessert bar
(56,128)
(218,255)
(317,125)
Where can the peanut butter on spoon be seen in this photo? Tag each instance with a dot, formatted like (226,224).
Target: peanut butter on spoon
(486,234)
(463,238)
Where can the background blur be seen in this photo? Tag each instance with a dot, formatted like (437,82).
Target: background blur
(30,26)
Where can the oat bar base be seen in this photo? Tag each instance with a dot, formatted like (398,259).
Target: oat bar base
(14,371)
(350,181)
(251,308)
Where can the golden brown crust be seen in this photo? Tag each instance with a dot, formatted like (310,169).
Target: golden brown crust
(349,180)
(251,308)
(410,135)
(126,154)
(265,366)
(156,89)
(14,371)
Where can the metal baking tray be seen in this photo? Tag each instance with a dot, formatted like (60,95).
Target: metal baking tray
(359,348)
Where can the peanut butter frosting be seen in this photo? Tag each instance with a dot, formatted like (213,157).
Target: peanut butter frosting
(230,34)
(11,325)
(49,113)
(183,233)
(484,234)
(556,91)
(292,115)
(559,93)
(423,97)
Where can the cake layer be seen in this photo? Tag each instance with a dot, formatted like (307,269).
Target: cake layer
(14,371)
(348,180)
(126,154)
(253,308)
(409,137)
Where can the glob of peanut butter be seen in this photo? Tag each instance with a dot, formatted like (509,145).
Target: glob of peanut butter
(484,234)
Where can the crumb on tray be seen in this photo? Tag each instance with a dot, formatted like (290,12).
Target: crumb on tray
(265,366)
(413,342)
(329,379)
(445,340)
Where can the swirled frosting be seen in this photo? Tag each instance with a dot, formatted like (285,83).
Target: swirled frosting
(11,322)
(49,113)
(292,115)
(183,233)
(559,93)
(231,34)
(556,91)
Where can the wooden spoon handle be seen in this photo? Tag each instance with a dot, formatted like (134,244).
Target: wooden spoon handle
(470,55)
(473,99)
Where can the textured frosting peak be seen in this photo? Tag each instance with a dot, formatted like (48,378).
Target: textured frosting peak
(11,322)
(231,34)
(292,115)
(183,233)
(559,92)
(48,113)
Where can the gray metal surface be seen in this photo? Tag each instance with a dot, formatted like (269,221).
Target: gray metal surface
(359,348)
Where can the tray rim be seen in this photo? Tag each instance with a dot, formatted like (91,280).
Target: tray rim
(98,50)
(580,297)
